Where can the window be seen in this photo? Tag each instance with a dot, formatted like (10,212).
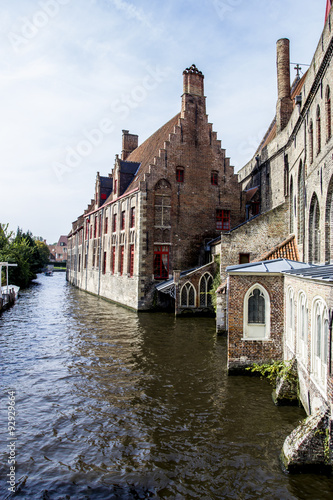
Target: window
(291,205)
(121,260)
(162,210)
(87,228)
(131,261)
(214,178)
(100,225)
(115,187)
(314,230)
(161,262)
(114,223)
(301,203)
(180,174)
(206,283)
(106,223)
(328,114)
(319,341)
(244,258)
(103,196)
(187,295)
(290,319)
(222,220)
(256,313)
(318,126)
(255,207)
(94,256)
(311,142)
(122,220)
(95,226)
(104,263)
(302,327)
(133,217)
(113,259)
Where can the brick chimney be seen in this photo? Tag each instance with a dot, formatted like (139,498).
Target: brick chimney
(129,143)
(193,81)
(284,105)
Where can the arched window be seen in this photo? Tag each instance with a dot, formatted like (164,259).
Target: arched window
(302,327)
(314,232)
(311,142)
(187,295)
(329,224)
(256,308)
(319,344)
(301,202)
(318,127)
(328,113)
(291,205)
(290,303)
(205,286)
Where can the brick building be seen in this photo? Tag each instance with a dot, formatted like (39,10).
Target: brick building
(58,252)
(157,210)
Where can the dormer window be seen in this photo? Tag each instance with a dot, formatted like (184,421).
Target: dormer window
(180,174)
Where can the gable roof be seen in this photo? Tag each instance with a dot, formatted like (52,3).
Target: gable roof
(146,152)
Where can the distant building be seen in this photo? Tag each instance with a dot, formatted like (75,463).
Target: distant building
(58,252)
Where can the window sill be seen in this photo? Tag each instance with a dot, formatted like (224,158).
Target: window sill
(261,339)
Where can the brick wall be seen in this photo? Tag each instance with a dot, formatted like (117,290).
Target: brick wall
(241,352)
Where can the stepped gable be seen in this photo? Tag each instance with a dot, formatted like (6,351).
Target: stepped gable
(271,131)
(149,149)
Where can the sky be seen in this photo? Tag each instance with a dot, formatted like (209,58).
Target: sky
(75,73)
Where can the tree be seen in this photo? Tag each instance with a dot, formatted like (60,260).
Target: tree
(29,255)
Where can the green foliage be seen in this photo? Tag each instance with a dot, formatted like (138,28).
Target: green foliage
(273,370)
(29,255)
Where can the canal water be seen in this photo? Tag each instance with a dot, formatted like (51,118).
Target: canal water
(115,405)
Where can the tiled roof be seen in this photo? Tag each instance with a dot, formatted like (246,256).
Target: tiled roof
(145,153)
(286,250)
(63,239)
(129,167)
(106,182)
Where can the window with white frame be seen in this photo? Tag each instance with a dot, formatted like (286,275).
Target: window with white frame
(302,326)
(319,342)
(187,295)
(290,319)
(256,313)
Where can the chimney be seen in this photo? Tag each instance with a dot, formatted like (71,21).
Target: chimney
(129,143)
(284,105)
(193,81)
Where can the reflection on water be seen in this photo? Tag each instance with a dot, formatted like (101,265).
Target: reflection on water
(112,404)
